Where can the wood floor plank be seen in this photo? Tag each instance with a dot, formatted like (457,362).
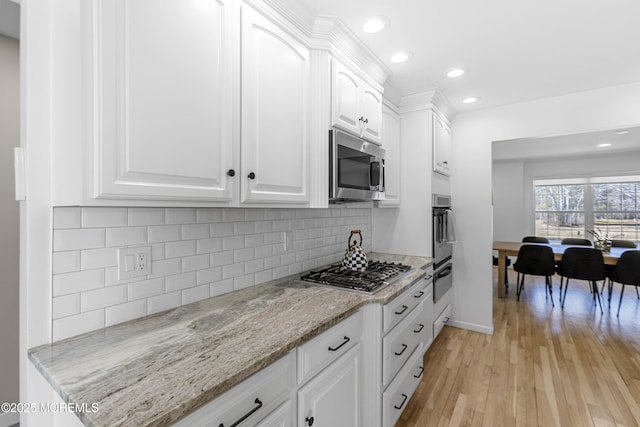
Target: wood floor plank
(543,366)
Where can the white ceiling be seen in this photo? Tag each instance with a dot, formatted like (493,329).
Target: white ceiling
(515,51)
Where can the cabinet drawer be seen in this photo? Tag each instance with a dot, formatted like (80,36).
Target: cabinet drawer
(441,320)
(281,417)
(399,344)
(251,400)
(400,307)
(318,353)
(397,395)
(426,319)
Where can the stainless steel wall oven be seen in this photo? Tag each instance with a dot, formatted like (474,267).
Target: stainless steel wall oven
(443,238)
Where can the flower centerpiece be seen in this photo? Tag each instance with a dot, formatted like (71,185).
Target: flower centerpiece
(602,240)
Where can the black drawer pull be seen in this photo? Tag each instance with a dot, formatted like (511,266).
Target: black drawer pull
(446,320)
(421,328)
(404,308)
(403,402)
(309,421)
(420,374)
(419,294)
(346,340)
(402,351)
(247,415)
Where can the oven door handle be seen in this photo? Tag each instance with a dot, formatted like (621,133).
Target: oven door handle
(444,272)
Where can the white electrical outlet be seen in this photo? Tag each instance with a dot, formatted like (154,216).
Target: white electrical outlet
(134,262)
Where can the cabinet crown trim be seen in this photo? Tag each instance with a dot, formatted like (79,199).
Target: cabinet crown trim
(429,99)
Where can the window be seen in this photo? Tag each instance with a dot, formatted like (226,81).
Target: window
(568,208)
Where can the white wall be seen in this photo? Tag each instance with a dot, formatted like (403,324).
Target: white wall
(9,219)
(513,215)
(471,179)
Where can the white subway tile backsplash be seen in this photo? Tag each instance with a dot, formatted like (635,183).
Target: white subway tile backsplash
(180,216)
(195,253)
(180,249)
(66,262)
(70,326)
(126,236)
(99,258)
(195,294)
(77,238)
(180,281)
(145,216)
(164,233)
(81,281)
(66,305)
(104,217)
(101,298)
(196,262)
(164,302)
(145,289)
(67,218)
(125,312)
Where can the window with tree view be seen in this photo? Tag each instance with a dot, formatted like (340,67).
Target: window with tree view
(569,208)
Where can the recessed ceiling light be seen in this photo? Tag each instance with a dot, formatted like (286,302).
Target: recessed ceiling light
(606,144)
(470,100)
(399,57)
(375,24)
(622,132)
(456,72)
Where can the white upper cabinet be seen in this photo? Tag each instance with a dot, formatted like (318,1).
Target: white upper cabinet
(356,106)
(441,145)
(163,99)
(275,112)
(390,131)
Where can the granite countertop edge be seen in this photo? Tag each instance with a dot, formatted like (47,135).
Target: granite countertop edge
(116,367)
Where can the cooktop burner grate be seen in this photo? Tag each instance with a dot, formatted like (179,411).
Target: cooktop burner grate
(377,276)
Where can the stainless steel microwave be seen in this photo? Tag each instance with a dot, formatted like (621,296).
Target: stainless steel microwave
(356,169)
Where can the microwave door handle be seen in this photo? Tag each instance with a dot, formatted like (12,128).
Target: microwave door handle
(375,173)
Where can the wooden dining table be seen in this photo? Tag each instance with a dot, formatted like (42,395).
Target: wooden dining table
(511,249)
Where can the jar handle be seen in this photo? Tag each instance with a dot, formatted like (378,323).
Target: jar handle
(359,233)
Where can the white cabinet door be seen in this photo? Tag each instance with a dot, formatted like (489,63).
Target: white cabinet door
(275,104)
(163,99)
(332,398)
(345,102)
(441,146)
(390,132)
(372,111)
(356,107)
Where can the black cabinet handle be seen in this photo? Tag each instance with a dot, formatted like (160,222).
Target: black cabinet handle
(403,402)
(346,340)
(361,119)
(247,415)
(421,328)
(231,172)
(405,347)
(419,294)
(309,421)
(446,320)
(252,175)
(366,120)
(404,308)
(420,374)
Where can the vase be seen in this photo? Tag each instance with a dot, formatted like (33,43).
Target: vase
(603,245)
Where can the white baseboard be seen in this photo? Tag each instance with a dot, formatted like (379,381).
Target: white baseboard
(8,419)
(471,327)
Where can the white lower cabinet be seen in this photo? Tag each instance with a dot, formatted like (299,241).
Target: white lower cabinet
(332,398)
(251,401)
(281,417)
(397,395)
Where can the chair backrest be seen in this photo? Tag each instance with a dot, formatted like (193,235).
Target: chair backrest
(534,239)
(576,241)
(536,260)
(627,270)
(623,244)
(582,263)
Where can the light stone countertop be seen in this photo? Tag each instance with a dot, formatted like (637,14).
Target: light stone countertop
(160,368)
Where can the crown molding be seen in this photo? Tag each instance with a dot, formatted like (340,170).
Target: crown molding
(428,99)
(330,33)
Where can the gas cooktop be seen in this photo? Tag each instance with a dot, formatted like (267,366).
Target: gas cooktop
(376,277)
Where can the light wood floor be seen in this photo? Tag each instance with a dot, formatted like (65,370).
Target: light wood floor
(544,366)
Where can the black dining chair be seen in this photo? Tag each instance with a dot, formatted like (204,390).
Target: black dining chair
(576,241)
(506,275)
(623,244)
(625,272)
(535,260)
(534,239)
(582,264)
